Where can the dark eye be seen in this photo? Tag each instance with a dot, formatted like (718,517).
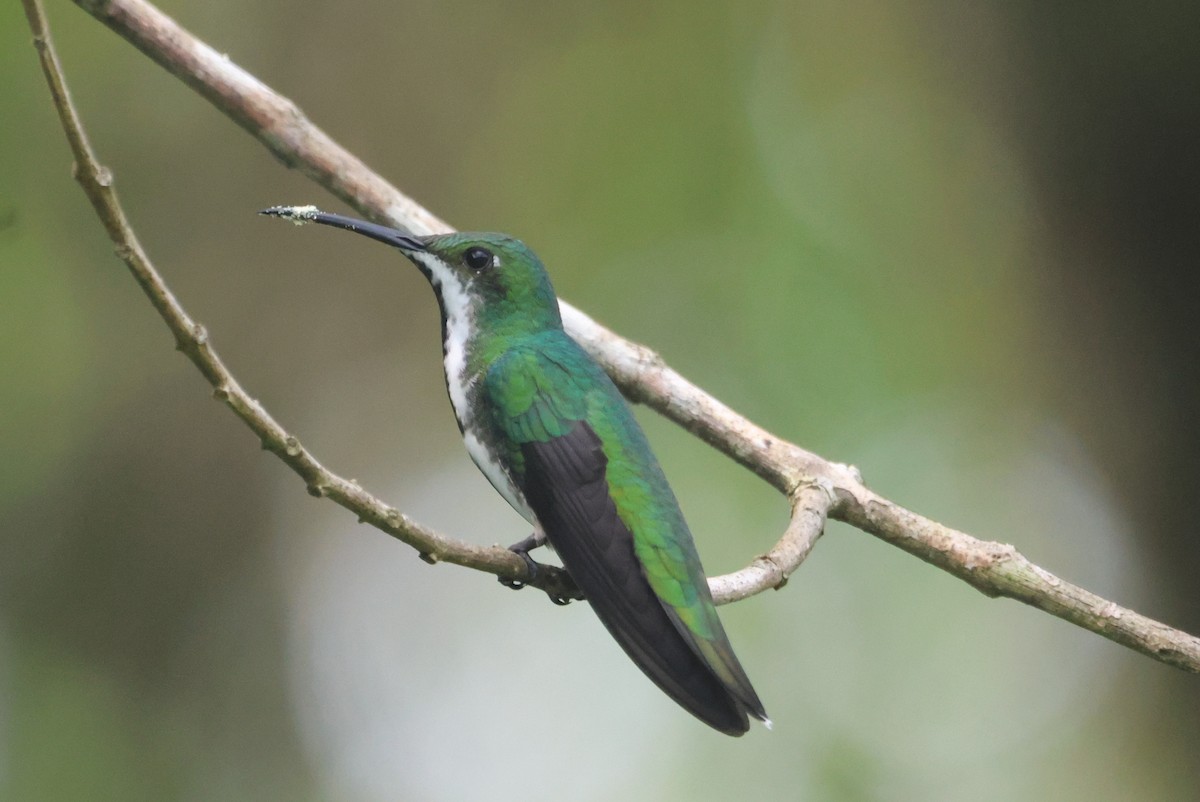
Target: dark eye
(478,258)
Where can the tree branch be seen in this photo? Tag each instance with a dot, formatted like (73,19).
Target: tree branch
(815,487)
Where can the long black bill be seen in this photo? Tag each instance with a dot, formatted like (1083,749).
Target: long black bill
(311,214)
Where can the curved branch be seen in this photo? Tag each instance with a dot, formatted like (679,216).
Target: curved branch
(816,487)
(810,505)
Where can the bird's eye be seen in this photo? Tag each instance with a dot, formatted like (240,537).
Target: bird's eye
(479,258)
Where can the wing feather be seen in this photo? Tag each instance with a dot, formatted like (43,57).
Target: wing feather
(567,491)
(649,591)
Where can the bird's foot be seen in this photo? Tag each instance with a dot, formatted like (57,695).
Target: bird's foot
(531,569)
(522,549)
(558,583)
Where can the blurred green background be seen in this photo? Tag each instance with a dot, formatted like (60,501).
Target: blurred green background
(954,244)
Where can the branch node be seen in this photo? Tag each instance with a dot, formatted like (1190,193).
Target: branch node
(318,490)
(221,393)
(291,447)
(429,557)
(822,483)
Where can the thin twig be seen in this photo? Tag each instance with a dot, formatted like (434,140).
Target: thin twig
(814,486)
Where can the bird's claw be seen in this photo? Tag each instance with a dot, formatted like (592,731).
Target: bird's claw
(531,568)
(561,593)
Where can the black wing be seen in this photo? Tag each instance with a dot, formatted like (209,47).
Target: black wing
(564,484)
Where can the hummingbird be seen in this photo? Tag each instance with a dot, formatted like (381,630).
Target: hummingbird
(555,437)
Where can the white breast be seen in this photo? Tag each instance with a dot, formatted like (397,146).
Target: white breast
(460,325)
